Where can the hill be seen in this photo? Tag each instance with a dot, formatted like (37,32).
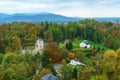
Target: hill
(34,17)
(38,17)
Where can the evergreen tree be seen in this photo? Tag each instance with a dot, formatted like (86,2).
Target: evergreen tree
(69,45)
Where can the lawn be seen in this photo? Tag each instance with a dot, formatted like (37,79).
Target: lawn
(76,46)
(30,47)
(93,44)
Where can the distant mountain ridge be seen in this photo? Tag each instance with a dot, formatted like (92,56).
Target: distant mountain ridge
(38,17)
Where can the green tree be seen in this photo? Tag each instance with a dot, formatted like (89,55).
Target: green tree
(1,57)
(17,71)
(6,60)
(69,45)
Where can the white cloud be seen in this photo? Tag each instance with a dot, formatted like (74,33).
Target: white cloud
(81,8)
(16,7)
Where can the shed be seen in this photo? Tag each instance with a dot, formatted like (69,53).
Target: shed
(49,77)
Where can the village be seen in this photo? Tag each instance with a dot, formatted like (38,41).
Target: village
(83,50)
(74,62)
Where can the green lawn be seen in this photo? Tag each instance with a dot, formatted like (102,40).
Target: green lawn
(92,44)
(30,47)
(87,60)
(76,46)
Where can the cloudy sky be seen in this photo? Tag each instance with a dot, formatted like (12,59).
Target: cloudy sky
(75,8)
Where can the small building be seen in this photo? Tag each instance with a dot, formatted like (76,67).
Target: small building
(75,62)
(85,44)
(49,77)
(39,46)
(57,67)
(66,41)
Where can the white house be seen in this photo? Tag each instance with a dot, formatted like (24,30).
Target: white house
(75,62)
(85,44)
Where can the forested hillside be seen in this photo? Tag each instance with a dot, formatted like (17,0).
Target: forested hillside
(99,63)
(15,35)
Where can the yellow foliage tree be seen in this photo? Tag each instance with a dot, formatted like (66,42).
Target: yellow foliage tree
(109,63)
(71,55)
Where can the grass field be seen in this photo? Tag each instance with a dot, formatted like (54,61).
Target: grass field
(76,46)
(30,47)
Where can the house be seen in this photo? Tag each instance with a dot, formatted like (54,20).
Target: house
(66,41)
(75,62)
(85,44)
(49,77)
(57,67)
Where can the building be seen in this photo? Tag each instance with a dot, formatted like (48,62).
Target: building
(39,46)
(49,77)
(57,67)
(75,62)
(85,44)
(66,41)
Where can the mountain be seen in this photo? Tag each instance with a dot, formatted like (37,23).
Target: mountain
(34,17)
(38,17)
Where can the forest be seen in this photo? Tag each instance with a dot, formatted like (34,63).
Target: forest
(101,63)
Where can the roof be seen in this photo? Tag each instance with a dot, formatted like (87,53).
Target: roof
(49,77)
(39,40)
(57,66)
(75,62)
(86,42)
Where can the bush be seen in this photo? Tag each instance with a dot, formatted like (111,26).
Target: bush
(6,59)
(1,57)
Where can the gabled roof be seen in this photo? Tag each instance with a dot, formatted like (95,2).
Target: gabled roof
(86,42)
(49,77)
(75,62)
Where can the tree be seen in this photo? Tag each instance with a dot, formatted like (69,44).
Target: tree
(64,65)
(118,64)
(6,60)
(84,74)
(52,51)
(67,73)
(17,71)
(109,62)
(2,73)
(1,57)
(45,61)
(71,55)
(69,45)
(47,34)
(28,57)
(64,53)
(16,43)
(2,45)
(74,73)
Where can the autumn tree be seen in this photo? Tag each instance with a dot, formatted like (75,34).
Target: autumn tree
(109,62)
(71,55)
(53,51)
(2,73)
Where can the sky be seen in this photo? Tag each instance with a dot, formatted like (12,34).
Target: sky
(72,8)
